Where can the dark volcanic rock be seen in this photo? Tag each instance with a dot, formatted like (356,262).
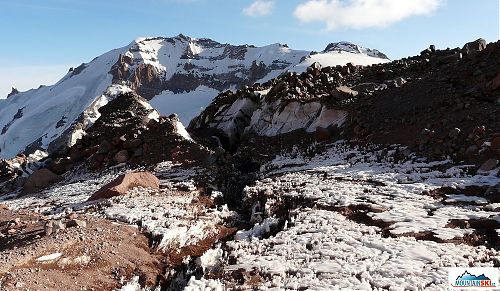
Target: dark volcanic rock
(130,131)
(439,104)
(13,92)
(474,46)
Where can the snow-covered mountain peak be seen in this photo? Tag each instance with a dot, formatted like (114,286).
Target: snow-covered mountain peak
(177,74)
(345,46)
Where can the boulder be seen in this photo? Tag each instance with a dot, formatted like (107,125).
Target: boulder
(493,193)
(58,226)
(454,133)
(104,147)
(495,83)
(495,144)
(474,46)
(132,144)
(121,156)
(489,165)
(125,182)
(451,58)
(400,81)
(426,52)
(76,223)
(345,92)
(48,228)
(39,180)
(314,67)
(76,154)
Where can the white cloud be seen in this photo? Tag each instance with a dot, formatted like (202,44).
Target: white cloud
(259,8)
(28,77)
(362,13)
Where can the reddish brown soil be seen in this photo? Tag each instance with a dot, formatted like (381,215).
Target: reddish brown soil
(114,252)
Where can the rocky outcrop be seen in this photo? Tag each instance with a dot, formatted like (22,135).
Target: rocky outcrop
(149,79)
(289,103)
(146,81)
(125,182)
(129,130)
(13,92)
(441,104)
(353,48)
(275,119)
(39,180)
(474,46)
(120,70)
(159,69)
(16,116)
(14,172)
(244,67)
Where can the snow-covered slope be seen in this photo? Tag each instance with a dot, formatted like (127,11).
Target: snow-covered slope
(179,74)
(335,58)
(341,53)
(37,117)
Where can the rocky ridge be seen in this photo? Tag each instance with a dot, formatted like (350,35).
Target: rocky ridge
(441,103)
(130,131)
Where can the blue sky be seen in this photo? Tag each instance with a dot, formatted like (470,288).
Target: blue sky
(42,39)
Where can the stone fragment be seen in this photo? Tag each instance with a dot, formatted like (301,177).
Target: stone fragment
(125,182)
(489,165)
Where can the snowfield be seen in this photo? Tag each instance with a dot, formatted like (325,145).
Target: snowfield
(186,105)
(340,58)
(45,113)
(320,248)
(345,219)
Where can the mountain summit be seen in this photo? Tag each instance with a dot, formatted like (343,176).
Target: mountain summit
(345,46)
(176,74)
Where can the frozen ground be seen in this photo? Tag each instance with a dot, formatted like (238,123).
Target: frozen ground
(348,219)
(175,215)
(360,223)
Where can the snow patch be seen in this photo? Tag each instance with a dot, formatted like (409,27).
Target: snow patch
(211,260)
(51,257)
(204,284)
(257,231)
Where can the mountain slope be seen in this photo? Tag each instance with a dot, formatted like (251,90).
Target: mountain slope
(443,103)
(40,116)
(179,74)
(337,178)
